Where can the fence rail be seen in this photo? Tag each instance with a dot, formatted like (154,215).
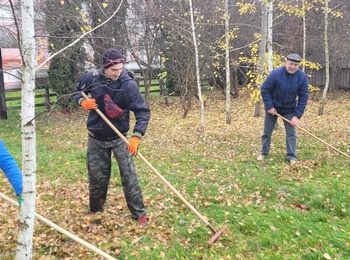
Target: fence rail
(44,99)
(47,98)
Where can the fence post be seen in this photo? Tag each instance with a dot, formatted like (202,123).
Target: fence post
(47,96)
(3,110)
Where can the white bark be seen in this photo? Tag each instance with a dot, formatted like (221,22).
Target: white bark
(227,61)
(193,27)
(257,110)
(326,52)
(304,34)
(269,34)
(27,211)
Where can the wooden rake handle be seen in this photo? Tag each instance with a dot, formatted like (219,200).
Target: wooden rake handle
(317,138)
(63,231)
(152,168)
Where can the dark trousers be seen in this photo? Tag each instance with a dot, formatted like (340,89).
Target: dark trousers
(99,170)
(291,137)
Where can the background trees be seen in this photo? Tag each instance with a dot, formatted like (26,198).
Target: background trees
(171,39)
(63,22)
(157,36)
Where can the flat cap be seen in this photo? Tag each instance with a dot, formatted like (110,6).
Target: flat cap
(294,57)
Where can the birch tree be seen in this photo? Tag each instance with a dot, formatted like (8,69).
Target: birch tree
(326,53)
(199,87)
(27,211)
(227,61)
(257,110)
(269,34)
(304,34)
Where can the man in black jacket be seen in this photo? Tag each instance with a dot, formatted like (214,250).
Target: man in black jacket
(115,94)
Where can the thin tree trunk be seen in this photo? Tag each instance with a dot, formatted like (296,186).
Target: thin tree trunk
(227,61)
(326,51)
(269,35)
(257,110)
(197,66)
(27,211)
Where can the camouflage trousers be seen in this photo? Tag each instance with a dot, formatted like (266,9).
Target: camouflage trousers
(99,170)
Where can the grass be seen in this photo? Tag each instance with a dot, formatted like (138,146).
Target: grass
(272,211)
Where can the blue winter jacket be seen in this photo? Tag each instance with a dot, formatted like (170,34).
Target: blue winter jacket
(287,93)
(10,167)
(125,93)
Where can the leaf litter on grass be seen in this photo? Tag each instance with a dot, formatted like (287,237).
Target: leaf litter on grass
(220,163)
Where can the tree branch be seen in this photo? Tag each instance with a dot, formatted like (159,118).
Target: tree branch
(81,37)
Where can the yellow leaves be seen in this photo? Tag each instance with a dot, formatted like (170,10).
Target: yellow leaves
(246,8)
(222,46)
(300,11)
(104,5)
(85,28)
(313,88)
(232,34)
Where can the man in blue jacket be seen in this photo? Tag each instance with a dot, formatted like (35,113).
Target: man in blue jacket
(285,91)
(115,93)
(10,167)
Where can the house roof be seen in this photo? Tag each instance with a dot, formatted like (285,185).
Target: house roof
(7,39)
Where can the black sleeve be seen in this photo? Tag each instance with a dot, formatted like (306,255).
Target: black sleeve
(83,85)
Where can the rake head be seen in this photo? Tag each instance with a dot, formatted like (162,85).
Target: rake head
(216,235)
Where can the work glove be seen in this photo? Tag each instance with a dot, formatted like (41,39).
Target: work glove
(88,104)
(112,109)
(19,198)
(134,144)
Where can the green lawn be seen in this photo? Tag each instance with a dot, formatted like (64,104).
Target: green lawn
(271,211)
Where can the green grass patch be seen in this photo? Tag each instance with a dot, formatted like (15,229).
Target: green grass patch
(271,211)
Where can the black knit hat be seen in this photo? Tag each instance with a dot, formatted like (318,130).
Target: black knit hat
(111,57)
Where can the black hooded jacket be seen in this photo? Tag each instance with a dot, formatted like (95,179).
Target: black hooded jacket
(125,93)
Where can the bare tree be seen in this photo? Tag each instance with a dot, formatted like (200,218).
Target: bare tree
(143,35)
(227,61)
(264,15)
(199,87)
(326,52)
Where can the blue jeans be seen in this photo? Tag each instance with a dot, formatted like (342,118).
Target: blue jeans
(291,136)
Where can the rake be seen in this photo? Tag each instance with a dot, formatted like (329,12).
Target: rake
(314,136)
(216,233)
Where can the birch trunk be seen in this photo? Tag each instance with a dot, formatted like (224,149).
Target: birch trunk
(326,52)
(227,61)
(257,110)
(193,26)
(269,35)
(304,34)
(27,211)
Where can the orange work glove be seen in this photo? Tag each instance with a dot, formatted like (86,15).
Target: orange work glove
(88,104)
(134,144)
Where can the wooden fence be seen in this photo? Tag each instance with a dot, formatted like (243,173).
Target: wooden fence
(339,75)
(45,97)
